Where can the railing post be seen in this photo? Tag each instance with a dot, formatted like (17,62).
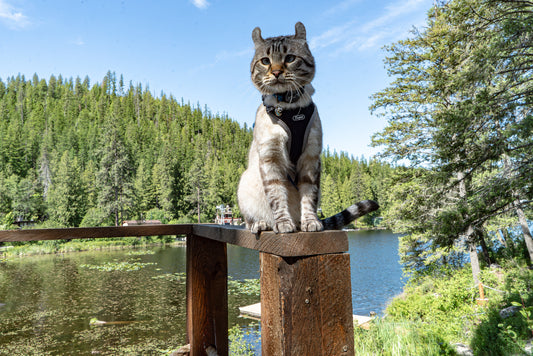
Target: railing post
(306,305)
(207,295)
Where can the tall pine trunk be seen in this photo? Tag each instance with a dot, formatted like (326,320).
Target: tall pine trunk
(469,234)
(522,221)
(525,229)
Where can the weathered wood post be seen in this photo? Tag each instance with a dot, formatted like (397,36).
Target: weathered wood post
(207,295)
(306,303)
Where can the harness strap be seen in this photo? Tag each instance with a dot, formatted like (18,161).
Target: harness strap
(296,122)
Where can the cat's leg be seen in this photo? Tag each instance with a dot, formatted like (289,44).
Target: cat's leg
(309,167)
(252,203)
(308,186)
(273,161)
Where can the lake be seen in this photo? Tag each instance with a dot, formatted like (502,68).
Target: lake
(47,302)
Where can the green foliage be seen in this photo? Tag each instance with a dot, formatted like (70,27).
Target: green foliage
(441,303)
(81,155)
(386,337)
(72,154)
(444,305)
(76,245)
(459,110)
(504,336)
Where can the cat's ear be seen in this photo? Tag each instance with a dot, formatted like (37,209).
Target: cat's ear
(256,36)
(300,31)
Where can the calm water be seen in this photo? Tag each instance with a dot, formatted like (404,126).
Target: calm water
(47,302)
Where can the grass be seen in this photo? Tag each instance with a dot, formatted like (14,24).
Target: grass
(386,337)
(77,245)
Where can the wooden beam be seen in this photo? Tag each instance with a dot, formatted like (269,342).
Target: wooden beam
(306,305)
(207,295)
(92,232)
(286,245)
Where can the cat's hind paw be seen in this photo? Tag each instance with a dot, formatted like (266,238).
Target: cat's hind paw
(259,226)
(312,225)
(284,227)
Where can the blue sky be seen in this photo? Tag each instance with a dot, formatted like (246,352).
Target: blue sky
(200,50)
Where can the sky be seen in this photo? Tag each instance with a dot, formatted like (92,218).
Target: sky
(200,50)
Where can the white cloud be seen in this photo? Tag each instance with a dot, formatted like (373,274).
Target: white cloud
(229,55)
(342,6)
(78,41)
(333,35)
(393,23)
(392,12)
(201,4)
(11,17)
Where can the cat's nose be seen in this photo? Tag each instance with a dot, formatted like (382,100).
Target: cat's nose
(276,73)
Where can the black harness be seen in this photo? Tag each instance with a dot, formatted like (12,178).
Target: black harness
(296,122)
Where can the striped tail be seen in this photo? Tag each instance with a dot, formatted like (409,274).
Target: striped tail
(338,221)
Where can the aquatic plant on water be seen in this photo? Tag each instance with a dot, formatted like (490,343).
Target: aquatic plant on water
(118,266)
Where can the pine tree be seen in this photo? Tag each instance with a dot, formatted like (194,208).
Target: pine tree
(66,199)
(114,177)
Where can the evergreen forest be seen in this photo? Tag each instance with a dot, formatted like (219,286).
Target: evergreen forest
(75,154)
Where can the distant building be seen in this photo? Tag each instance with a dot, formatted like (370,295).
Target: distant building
(225,216)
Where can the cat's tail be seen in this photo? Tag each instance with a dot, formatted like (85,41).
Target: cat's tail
(338,221)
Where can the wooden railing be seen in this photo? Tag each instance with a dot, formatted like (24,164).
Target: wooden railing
(306,304)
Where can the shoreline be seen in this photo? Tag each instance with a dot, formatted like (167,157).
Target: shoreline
(76,245)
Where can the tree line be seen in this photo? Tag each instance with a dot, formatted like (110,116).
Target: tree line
(75,154)
(460,112)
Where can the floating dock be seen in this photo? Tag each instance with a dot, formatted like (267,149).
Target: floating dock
(254,312)
(251,311)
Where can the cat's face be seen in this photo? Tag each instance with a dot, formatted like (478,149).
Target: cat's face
(282,64)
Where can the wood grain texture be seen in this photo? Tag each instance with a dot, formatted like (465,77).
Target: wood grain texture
(207,295)
(286,245)
(93,232)
(306,305)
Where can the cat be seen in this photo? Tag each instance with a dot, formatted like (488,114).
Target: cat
(279,190)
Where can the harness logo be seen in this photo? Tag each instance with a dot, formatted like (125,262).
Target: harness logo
(298,117)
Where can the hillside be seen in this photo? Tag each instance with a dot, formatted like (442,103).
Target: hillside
(76,154)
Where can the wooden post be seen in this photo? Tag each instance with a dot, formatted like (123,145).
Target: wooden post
(207,295)
(306,305)
(481,300)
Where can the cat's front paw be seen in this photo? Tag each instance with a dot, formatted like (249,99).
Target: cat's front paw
(259,226)
(312,225)
(284,227)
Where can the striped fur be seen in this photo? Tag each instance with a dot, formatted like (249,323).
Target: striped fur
(267,198)
(348,215)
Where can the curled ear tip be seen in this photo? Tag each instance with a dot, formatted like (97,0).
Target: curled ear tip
(300,30)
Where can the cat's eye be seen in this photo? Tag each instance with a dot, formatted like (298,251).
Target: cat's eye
(265,61)
(290,58)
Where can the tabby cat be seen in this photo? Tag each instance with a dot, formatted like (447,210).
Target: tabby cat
(280,188)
